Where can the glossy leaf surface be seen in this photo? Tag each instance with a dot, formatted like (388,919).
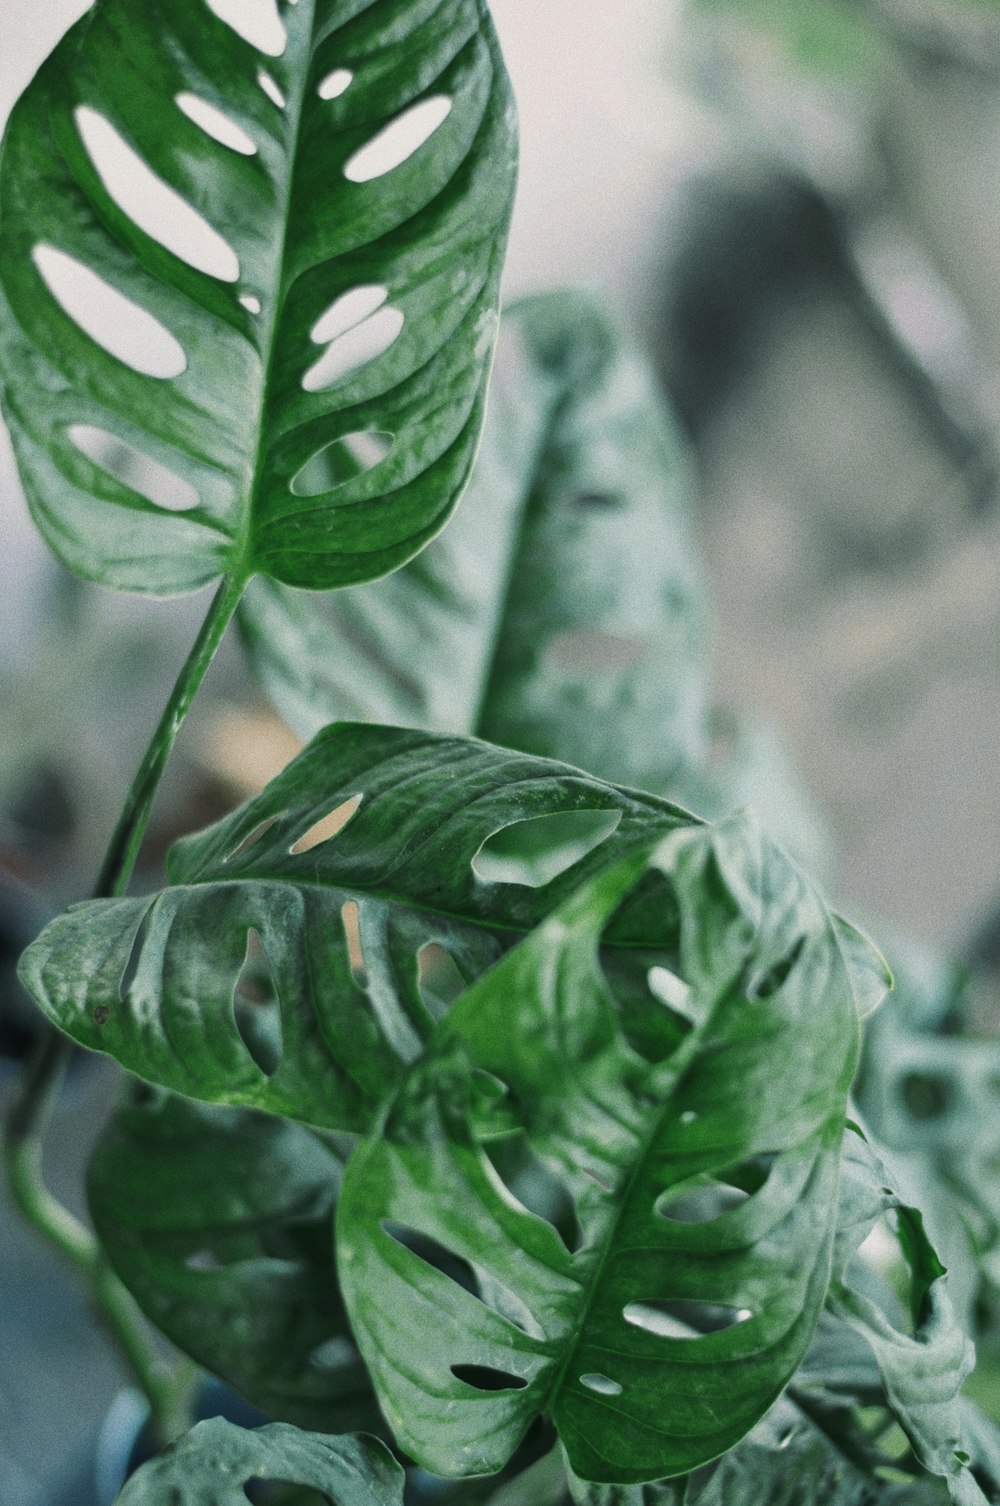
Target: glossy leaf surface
(700,1196)
(298,981)
(213,1463)
(191,224)
(561,612)
(220,1223)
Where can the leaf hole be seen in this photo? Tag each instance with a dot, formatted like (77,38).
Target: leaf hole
(485,1378)
(203,1261)
(603,1385)
(256,1009)
(215,123)
(112,321)
(341,461)
(253,837)
(700,1205)
(536,851)
(593,652)
(256,21)
(358,346)
(683,1319)
(704,1199)
(156,208)
(438,978)
(271,89)
(672,991)
(131,968)
(535,1185)
(396,142)
(102,1014)
(598,501)
(328,827)
(474,1279)
(335,1353)
(926,1095)
(250,302)
(350,916)
(765,984)
(335,84)
(427,1249)
(134,469)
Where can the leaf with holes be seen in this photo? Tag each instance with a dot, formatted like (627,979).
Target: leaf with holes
(249,284)
(214,1463)
(922,1371)
(312,937)
(561,612)
(220,1223)
(657,1324)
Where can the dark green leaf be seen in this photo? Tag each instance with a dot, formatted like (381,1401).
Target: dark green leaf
(178,437)
(291,980)
(220,1223)
(692,1178)
(212,1465)
(561,611)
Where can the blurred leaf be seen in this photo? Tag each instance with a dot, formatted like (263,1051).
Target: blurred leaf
(561,611)
(214,1463)
(220,1223)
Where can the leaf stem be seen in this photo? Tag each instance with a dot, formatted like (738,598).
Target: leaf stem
(166,1387)
(123,849)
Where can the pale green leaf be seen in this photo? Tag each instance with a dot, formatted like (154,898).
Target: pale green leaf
(213,1463)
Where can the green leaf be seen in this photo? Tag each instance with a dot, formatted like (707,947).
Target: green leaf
(225,193)
(213,1463)
(691,1176)
(300,982)
(922,1372)
(561,612)
(220,1223)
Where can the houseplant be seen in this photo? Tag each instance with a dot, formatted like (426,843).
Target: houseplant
(569,1066)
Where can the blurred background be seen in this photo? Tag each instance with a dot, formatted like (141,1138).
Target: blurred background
(794,207)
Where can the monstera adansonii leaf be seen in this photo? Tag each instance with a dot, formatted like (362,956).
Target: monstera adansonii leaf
(658,1317)
(295,971)
(562,610)
(215,1462)
(220,1222)
(921,1354)
(249,284)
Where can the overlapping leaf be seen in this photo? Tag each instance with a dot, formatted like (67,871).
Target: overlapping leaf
(185,217)
(699,1193)
(922,1372)
(214,1463)
(220,1222)
(338,934)
(562,611)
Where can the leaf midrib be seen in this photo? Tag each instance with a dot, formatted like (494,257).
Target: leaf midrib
(293,112)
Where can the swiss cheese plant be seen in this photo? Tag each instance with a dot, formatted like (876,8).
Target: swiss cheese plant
(485,1122)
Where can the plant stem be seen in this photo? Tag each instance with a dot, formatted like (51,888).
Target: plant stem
(165,1391)
(123,849)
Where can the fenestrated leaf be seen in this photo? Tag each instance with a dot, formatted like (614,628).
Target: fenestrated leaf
(922,1372)
(220,1223)
(178,437)
(213,1463)
(562,610)
(704,1195)
(339,930)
